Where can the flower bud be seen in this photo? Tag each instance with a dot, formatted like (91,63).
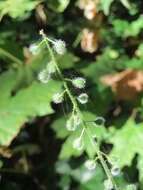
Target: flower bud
(108,184)
(44,76)
(83,98)
(78,143)
(90,164)
(34,49)
(73,122)
(115,170)
(51,67)
(59,47)
(79,82)
(58,98)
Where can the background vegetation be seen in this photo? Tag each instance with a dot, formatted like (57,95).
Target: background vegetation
(105,46)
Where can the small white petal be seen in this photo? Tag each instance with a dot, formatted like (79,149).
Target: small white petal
(83,98)
(78,143)
(59,47)
(79,82)
(115,170)
(44,76)
(58,98)
(90,164)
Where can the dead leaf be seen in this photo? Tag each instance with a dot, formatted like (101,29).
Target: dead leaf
(90,8)
(89,41)
(126,84)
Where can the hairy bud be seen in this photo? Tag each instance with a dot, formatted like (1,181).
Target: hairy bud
(78,143)
(83,98)
(58,98)
(79,82)
(90,164)
(59,47)
(44,76)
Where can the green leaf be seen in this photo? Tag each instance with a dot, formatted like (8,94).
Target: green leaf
(32,101)
(17,8)
(127,141)
(105,6)
(58,5)
(126,3)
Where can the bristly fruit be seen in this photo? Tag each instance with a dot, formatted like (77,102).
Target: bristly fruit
(73,122)
(44,76)
(79,82)
(58,98)
(78,143)
(83,98)
(90,164)
(51,67)
(60,46)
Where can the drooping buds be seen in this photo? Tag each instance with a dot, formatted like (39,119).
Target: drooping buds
(58,98)
(33,48)
(78,143)
(79,82)
(73,122)
(51,67)
(90,164)
(59,46)
(44,76)
(115,170)
(83,98)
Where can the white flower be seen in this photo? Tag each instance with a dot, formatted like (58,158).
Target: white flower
(33,48)
(83,98)
(58,98)
(90,164)
(115,170)
(60,46)
(78,143)
(51,67)
(44,76)
(73,122)
(79,82)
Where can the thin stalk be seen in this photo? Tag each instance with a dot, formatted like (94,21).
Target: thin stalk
(75,105)
(10,56)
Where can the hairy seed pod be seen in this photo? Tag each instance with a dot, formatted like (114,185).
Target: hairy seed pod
(60,47)
(73,122)
(90,164)
(58,98)
(44,76)
(51,67)
(115,170)
(83,98)
(79,82)
(78,143)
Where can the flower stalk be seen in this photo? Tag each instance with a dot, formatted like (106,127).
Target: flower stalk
(78,112)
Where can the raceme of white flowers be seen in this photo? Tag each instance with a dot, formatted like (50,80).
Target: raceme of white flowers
(83,98)
(90,164)
(79,82)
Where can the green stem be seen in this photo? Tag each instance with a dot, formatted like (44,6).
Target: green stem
(10,56)
(107,171)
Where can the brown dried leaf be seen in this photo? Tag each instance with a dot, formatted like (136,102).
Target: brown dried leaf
(90,8)
(89,41)
(125,85)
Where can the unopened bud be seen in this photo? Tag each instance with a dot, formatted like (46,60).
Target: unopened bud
(79,82)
